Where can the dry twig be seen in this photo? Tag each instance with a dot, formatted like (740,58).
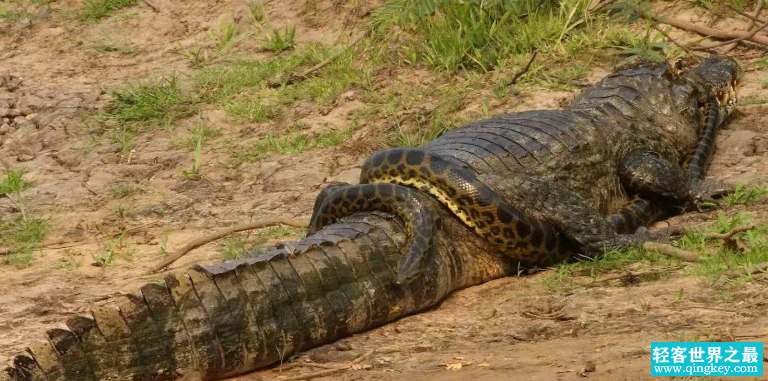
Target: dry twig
(152,5)
(293,78)
(671,251)
(330,368)
(295,222)
(523,70)
(672,40)
(703,30)
(756,12)
(730,234)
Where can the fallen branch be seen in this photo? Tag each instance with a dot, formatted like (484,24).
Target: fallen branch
(672,40)
(293,78)
(703,30)
(295,222)
(671,251)
(730,234)
(523,70)
(354,365)
(745,14)
(735,41)
(152,5)
(757,269)
(755,13)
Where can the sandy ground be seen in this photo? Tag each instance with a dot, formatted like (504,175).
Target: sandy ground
(510,329)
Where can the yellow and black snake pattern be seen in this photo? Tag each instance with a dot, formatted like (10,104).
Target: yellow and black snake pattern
(338,200)
(473,202)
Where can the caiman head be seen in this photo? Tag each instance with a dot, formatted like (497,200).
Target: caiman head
(709,82)
(716,79)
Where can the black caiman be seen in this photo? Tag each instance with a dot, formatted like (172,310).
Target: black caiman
(534,187)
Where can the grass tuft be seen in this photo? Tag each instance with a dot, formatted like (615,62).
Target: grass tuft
(23,237)
(234,246)
(95,10)
(155,103)
(744,195)
(125,190)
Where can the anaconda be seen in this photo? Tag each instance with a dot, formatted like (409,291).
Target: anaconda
(562,169)
(630,136)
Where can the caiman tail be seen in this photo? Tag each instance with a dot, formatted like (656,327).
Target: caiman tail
(223,320)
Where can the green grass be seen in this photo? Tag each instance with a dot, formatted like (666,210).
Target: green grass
(744,195)
(452,36)
(157,103)
(290,143)
(234,246)
(280,41)
(753,100)
(125,190)
(94,10)
(716,257)
(242,88)
(561,279)
(110,46)
(202,133)
(142,107)
(114,247)
(12,184)
(23,237)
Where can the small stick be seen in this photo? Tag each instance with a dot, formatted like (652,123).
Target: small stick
(317,374)
(295,222)
(363,356)
(152,5)
(306,73)
(671,251)
(730,234)
(747,15)
(672,40)
(756,12)
(759,268)
(703,30)
(735,41)
(523,70)
(333,370)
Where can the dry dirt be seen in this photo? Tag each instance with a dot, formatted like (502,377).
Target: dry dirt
(510,329)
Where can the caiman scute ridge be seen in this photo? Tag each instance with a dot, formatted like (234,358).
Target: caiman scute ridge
(536,186)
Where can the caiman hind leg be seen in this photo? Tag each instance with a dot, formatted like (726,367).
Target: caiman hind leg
(408,204)
(481,208)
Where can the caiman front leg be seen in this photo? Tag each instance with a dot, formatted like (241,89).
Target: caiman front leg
(584,229)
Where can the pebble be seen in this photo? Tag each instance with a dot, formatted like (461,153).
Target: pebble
(4,112)
(30,117)
(24,157)
(19,120)
(14,112)
(5,128)
(26,111)
(6,120)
